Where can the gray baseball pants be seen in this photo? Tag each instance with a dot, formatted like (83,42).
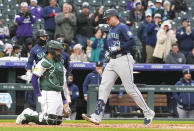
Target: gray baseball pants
(122,67)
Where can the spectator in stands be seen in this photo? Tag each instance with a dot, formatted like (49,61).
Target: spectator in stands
(158,8)
(131,4)
(4,31)
(17,51)
(24,21)
(150,5)
(190,57)
(175,57)
(88,49)
(71,9)
(99,46)
(185,103)
(97,17)
(141,34)
(74,94)
(65,24)
(137,14)
(26,49)
(1,46)
(8,51)
(78,54)
(61,38)
(185,37)
(165,38)
(84,28)
(93,78)
(49,13)
(35,9)
(170,10)
(151,31)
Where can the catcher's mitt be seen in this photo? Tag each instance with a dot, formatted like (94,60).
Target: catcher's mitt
(66,110)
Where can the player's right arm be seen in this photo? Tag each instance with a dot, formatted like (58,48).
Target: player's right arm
(37,73)
(85,87)
(30,61)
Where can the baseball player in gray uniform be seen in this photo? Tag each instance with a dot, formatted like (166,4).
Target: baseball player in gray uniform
(120,39)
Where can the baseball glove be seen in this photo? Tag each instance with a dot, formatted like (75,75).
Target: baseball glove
(66,110)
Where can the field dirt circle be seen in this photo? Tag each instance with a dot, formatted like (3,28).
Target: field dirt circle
(88,125)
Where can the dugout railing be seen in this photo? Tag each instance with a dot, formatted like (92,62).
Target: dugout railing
(150,90)
(92,94)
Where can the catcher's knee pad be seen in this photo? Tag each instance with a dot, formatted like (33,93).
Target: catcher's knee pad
(59,120)
(51,119)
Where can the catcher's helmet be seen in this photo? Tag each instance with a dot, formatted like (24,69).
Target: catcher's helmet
(53,45)
(110,12)
(41,32)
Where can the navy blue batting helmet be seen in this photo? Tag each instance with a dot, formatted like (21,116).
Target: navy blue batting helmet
(110,12)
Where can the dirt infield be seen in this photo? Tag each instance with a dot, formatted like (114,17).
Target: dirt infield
(88,125)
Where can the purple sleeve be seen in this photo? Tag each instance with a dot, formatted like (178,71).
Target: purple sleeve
(33,19)
(129,7)
(35,85)
(19,19)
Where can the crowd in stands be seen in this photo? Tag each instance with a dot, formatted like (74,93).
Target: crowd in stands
(83,33)
(84,37)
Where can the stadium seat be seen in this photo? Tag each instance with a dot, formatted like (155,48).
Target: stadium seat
(123,3)
(95,3)
(78,2)
(92,9)
(109,3)
(125,15)
(61,2)
(120,9)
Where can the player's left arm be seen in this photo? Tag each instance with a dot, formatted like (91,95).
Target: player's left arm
(37,73)
(66,108)
(65,89)
(128,37)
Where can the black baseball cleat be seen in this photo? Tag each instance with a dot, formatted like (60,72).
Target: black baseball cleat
(91,118)
(148,120)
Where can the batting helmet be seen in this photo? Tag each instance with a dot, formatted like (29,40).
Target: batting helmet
(110,12)
(41,32)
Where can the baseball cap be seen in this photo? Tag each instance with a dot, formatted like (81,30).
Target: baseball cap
(109,13)
(157,15)
(166,2)
(33,0)
(184,19)
(24,4)
(138,3)
(85,5)
(186,71)
(150,3)
(158,1)
(99,63)
(148,14)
